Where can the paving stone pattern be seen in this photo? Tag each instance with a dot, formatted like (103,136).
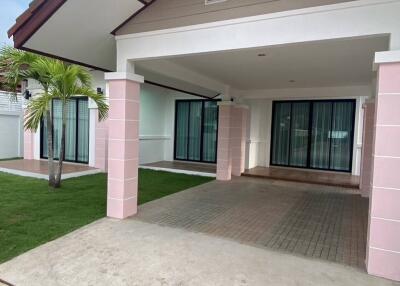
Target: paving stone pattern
(317,221)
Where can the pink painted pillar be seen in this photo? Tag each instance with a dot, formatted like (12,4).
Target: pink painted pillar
(367,149)
(29,145)
(101,141)
(224,154)
(384,226)
(123,146)
(238,137)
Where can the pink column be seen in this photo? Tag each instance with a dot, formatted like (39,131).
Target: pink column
(238,137)
(123,146)
(224,154)
(101,141)
(29,145)
(367,149)
(384,226)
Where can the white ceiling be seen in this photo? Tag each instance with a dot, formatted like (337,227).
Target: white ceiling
(80,30)
(313,64)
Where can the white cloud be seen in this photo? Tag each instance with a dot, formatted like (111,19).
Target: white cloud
(9,11)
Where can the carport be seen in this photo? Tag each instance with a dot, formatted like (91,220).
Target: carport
(252,63)
(320,222)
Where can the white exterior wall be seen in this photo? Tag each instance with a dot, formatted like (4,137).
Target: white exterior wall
(34,89)
(345,20)
(259,132)
(260,103)
(152,130)
(157,117)
(11,127)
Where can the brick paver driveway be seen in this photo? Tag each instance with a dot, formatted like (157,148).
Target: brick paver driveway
(316,221)
(191,238)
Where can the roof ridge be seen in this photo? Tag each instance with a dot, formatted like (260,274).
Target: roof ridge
(25,16)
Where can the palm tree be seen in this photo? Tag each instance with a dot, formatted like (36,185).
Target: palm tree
(59,81)
(18,66)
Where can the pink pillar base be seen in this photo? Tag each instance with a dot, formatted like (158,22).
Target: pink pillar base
(224,153)
(232,133)
(101,148)
(239,134)
(368,140)
(123,148)
(383,250)
(29,145)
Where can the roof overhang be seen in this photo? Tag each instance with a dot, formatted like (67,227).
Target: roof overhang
(77,31)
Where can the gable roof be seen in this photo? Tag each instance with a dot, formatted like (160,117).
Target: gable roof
(46,19)
(39,11)
(33,18)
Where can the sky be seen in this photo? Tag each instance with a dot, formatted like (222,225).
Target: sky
(9,11)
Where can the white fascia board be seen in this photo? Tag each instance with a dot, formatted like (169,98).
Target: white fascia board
(123,76)
(344,20)
(386,58)
(353,91)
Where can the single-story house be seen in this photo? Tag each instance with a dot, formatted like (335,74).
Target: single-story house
(305,84)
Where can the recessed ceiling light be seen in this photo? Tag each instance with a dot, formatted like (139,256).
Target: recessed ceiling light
(261,55)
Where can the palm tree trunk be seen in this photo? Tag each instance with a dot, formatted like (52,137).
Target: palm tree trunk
(50,146)
(62,147)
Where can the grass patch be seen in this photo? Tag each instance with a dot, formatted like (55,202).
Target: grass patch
(31,215)
(10,159)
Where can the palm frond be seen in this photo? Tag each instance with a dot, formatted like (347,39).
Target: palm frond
(99,99)
(14,64)
(36,110)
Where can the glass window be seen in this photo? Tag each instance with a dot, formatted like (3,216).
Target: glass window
(210,131)
(181,132)
(299,134)
(83,131)
(320,139)
(341,136)
(313,134)
(281,133)
(76,131)
(196,130)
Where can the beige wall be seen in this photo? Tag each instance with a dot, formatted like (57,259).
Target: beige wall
(163,14)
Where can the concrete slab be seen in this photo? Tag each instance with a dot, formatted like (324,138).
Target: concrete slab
(39,169)
(130,252)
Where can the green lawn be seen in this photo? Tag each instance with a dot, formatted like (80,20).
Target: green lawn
(9,159)
(31,215)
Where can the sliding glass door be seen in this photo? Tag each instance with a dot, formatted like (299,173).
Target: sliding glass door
(196,125)
(76,133)
(342,135)
(299,137)
(313,134)
(320,140)
(281,134)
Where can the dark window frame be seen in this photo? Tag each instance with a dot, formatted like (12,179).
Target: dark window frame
(44,136)
(202,131)
(311,102)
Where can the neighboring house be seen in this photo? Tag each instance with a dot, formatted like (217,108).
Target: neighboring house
(11,126)
(296,83)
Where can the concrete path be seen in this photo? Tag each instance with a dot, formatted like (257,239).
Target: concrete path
(131,252)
